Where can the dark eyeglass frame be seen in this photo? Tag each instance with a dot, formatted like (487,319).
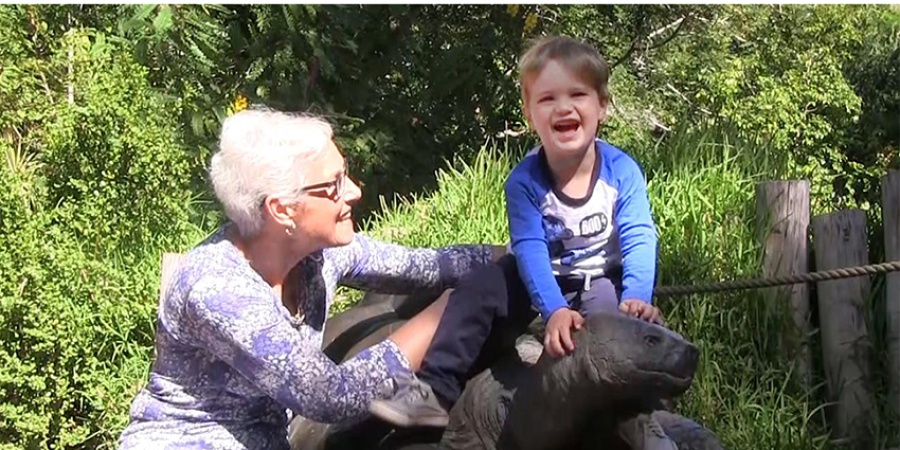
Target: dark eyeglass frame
(332,190)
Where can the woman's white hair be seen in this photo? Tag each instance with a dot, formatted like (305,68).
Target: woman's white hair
(264,152)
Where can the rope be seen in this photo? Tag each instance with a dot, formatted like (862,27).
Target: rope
(871,269)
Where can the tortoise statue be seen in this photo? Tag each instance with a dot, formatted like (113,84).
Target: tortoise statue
(621,373)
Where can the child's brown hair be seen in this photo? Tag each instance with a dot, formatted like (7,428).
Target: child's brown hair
(581,58)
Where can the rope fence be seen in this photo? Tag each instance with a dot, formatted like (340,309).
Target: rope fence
(824,275)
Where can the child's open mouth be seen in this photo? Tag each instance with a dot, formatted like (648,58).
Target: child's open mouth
(566,126)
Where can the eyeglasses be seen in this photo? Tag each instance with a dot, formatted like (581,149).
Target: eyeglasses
(332,190)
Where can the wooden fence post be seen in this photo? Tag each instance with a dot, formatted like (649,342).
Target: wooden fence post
(840,241)
(782,221)
(890,192)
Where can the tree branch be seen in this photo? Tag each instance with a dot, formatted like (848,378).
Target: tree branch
(628,53)
(70,81)
(686,99)
(680,23)
(636,43)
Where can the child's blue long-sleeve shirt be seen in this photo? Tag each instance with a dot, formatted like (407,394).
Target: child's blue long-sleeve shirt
(553,234)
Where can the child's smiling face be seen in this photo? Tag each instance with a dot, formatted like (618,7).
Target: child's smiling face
(563,109)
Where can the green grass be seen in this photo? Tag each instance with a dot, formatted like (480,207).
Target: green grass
(702,190)
(466,207)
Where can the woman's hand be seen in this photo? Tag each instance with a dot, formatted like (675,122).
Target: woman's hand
(558,332)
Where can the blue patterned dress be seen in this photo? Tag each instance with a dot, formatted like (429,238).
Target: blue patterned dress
(232,365)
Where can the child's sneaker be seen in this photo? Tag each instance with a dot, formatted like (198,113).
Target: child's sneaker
(643,432)
(413,404)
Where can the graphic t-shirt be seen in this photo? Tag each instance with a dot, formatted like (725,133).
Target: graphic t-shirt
(553,234)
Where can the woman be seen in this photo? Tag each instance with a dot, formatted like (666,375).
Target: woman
(239,332)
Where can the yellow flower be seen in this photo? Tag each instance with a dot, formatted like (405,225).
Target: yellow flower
(512,9)
(240,103)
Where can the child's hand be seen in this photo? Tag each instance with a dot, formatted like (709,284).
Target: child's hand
(641,309)
(558,332)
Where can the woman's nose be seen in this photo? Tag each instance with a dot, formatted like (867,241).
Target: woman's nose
(353,192)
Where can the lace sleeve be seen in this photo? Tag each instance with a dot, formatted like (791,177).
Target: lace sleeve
(378,266)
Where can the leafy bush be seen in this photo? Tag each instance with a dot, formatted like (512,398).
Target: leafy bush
(116,172)
(704,209)
(82,216)
(74,336)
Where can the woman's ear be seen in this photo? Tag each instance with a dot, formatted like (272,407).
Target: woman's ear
(282,214)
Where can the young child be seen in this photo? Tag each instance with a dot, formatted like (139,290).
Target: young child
(582,238)
(575,201)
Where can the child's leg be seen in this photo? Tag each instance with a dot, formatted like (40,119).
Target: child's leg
(486,306)
(603,295)
(485,312)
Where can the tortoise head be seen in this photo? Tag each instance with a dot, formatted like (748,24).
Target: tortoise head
(634,357)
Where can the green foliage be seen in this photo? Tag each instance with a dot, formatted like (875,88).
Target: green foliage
(26,93)
(191,59)
(442,78)
(873,144)
(408,96)
(775,74)
(114,145)
(467,193)
(702,190)
(111,112)
(25,190)
(93,181)
(75,331)
(397,81)
(777,77)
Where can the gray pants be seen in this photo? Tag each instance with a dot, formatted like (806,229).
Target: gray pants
(603,294)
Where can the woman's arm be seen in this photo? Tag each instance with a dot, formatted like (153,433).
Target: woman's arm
(241,325)
(378,266)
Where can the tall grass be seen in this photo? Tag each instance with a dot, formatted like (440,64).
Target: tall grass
(466,207)
(701,186)
(702,190)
